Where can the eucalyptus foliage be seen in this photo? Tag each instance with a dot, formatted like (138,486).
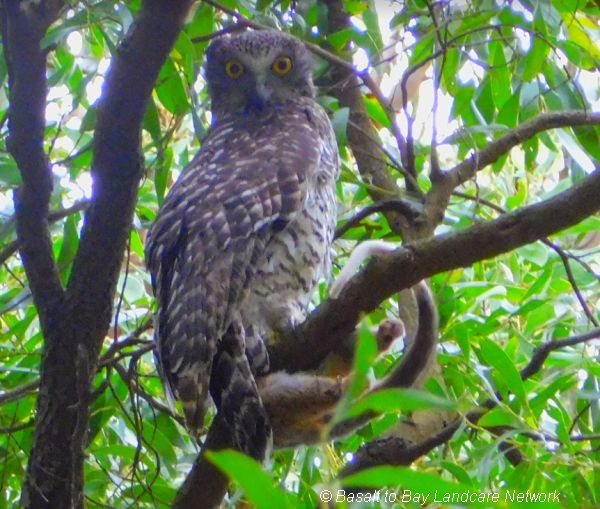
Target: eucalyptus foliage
(503,63)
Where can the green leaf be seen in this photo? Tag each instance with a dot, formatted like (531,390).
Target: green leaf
(171,90)
(518,199)
(589,137)
(152,122)
(412,483)
(577,29)
(10,176)
(498,417)
(509,112)
(536,58)
(459,473)
(70,243)
(355,7)
(88,123)
(399,400)
(203,22)
(258,486)
(485,100)
(340,123)
(376,111)
(450,70)
(497,358)
(499,75)
(535,253)
(339,40)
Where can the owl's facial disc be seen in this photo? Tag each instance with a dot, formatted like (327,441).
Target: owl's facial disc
(254,70)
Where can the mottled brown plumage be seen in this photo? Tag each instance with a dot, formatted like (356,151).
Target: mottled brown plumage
(244,235)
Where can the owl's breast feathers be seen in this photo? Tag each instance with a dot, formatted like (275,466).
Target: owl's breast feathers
(254,212)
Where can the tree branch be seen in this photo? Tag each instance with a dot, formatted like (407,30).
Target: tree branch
(442,188)
(205,485)
(117,161)
(465,170)
(73,342)
(22,31)
(400,206)
(542,352)
(12,247)
(362,136)
(393,450)
(308,345)
(564,256)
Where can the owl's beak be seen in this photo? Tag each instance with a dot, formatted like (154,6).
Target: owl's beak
(260,95)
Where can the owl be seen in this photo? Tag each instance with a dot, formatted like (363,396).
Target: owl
(244,235)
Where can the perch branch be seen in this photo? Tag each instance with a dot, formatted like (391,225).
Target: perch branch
(308,345)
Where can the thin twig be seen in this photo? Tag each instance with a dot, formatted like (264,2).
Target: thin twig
(53,217)
(402,207)
(542,352)
(564,256)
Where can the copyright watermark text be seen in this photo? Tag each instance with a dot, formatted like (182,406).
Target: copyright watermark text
(437,496)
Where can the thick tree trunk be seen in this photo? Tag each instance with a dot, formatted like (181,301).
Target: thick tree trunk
(75,320)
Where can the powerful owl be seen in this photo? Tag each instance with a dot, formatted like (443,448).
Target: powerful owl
(245,233)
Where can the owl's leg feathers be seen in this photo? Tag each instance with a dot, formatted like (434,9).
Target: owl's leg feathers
(234,391)
(256,352)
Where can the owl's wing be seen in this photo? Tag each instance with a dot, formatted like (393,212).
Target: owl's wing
(241,189)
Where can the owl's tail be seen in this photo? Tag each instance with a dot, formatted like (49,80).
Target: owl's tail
(234,391)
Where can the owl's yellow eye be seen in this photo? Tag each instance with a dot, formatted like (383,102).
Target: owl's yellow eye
(234,69)
(282,66)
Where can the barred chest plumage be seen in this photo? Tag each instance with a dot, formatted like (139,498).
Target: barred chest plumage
(293,263)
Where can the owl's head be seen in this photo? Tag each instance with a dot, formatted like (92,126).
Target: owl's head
(254,70)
